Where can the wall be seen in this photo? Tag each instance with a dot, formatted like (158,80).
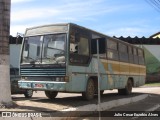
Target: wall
(15,54)
(152,57)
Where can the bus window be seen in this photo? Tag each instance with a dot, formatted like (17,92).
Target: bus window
(111,44)
(112,52)
(102,46)
(134,51)
(32,48)
(130,52)
(123,55)
(83,46)
(135,55)
(79,49)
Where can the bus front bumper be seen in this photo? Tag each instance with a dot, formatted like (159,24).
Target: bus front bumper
(42,85)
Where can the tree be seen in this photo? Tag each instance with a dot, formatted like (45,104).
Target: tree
(5,92)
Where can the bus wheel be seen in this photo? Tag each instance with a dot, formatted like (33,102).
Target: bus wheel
(28,93)
(51,94)
(121,91)
(127,90)
(90,90)
(101,92)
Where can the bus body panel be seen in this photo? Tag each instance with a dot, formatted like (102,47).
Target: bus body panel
(81,74)
(78,77)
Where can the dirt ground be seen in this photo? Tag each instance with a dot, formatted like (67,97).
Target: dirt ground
(39,102)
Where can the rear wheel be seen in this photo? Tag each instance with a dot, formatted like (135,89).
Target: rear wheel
(121,91)
(127,90)
(28,93)
(51,94)
(90,90)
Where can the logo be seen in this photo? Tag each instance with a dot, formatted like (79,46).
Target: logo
(6,114)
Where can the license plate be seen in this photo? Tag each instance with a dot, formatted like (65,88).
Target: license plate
(39,85)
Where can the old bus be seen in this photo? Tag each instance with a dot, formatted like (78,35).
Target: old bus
(62,58)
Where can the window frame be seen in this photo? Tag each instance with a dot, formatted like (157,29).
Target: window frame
(123,53)
(135,56)
(112,50)
(78,33)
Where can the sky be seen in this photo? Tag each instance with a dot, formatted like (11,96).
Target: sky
(110,17)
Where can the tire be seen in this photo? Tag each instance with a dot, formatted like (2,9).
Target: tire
(90,90)
(121,91)
(127,90)
(51,94)
(101,92)
(28,93)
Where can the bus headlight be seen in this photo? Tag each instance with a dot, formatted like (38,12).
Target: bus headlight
(24,78)
(62,79)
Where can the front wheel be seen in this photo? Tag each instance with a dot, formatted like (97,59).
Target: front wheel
(28,93)
(51,94)
(90,90)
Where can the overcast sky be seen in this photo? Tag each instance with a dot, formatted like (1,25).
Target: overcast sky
(111,17)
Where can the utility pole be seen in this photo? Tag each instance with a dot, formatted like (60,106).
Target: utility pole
(98,72)
(5,92)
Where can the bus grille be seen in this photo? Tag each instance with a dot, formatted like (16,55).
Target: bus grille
(43,71)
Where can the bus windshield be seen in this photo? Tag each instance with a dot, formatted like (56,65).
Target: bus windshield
(44,49)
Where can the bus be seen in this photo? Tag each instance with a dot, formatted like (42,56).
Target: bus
(63,58)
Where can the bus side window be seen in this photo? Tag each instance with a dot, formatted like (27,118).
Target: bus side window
(102,46)
(79,49)
(130,52)
(111,44)
(112,51)
(83,46)
(123,54)
(73,44)
(135,55)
